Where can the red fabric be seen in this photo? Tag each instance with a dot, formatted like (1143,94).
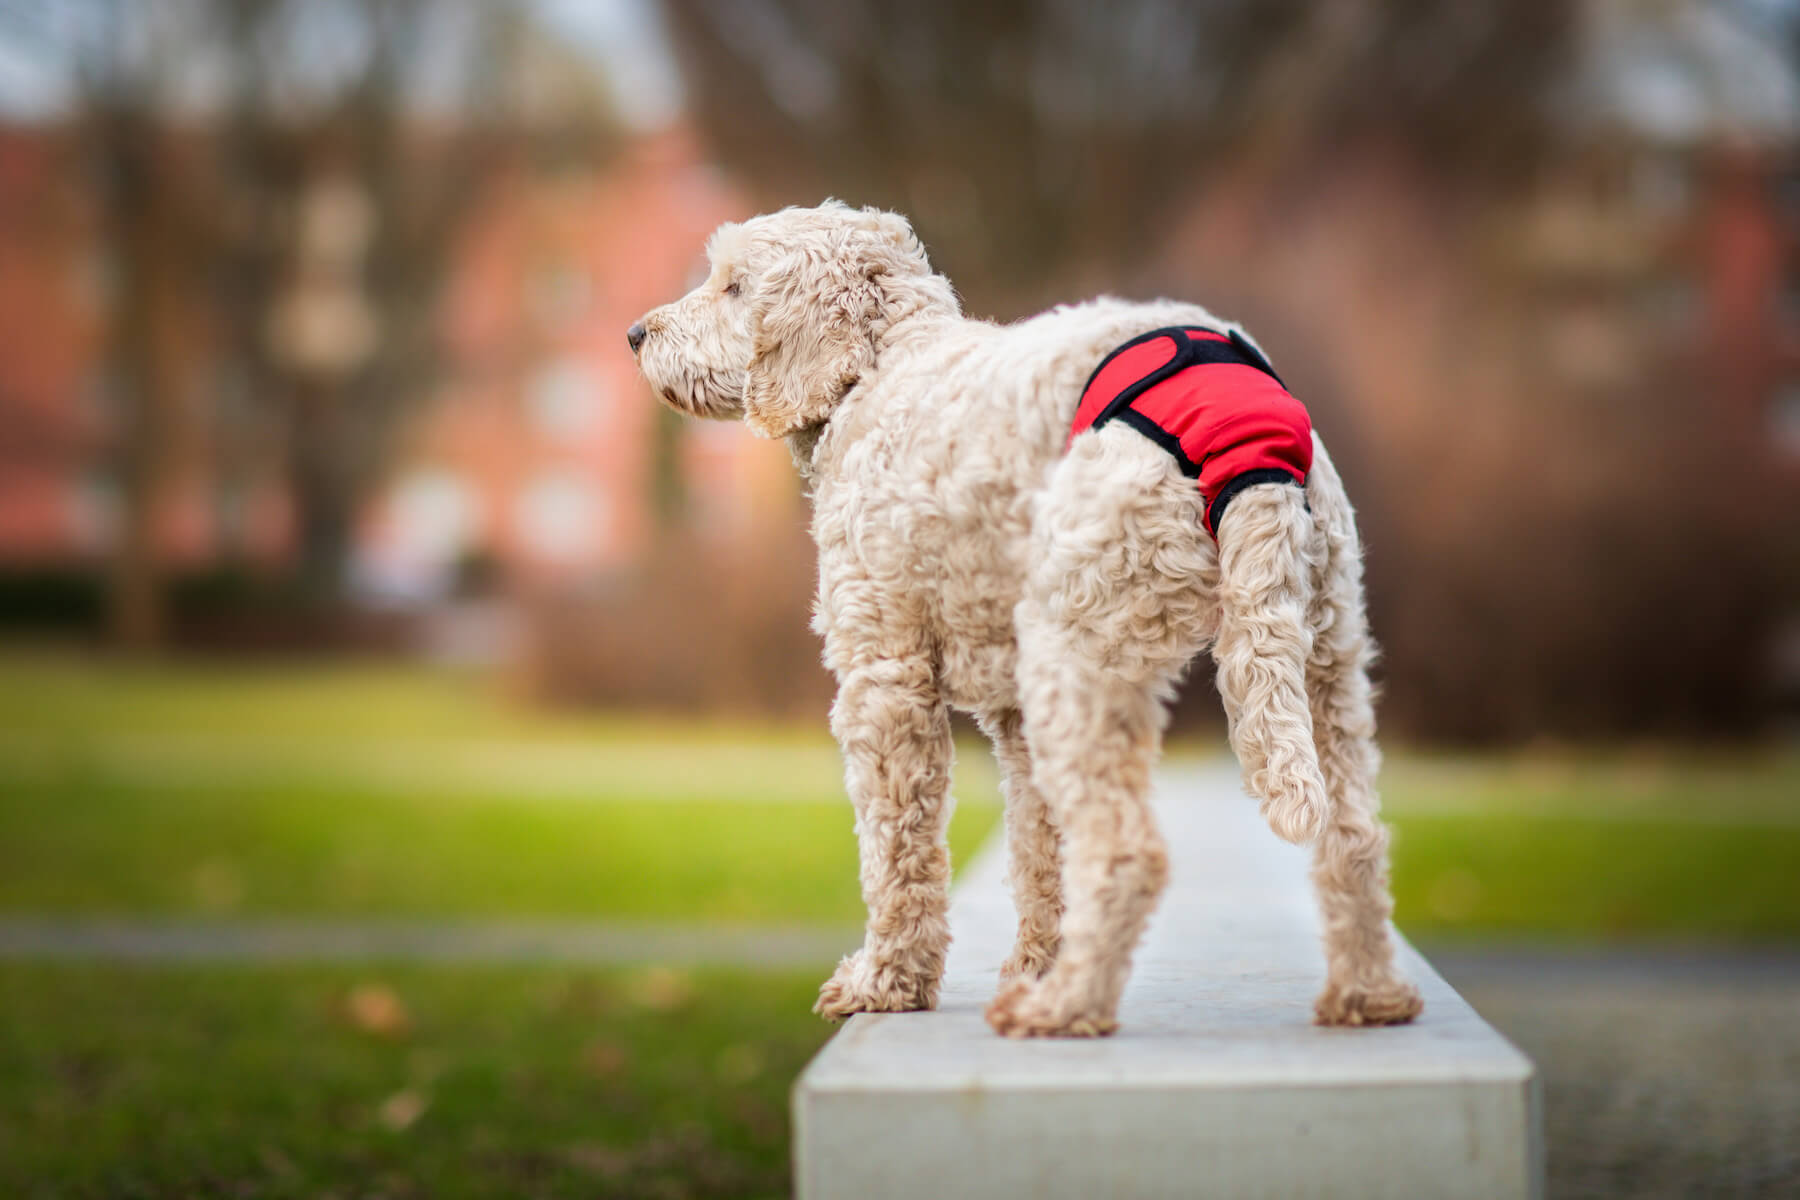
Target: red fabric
(1229,418)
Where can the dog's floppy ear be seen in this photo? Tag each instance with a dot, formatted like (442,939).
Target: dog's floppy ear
(810,327)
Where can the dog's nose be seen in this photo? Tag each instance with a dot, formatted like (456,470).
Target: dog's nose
(634,336)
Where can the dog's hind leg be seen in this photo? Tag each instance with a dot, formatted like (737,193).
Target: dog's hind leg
(1034,859)
(1267,545)
(895,731)
(1112,610)
(1093,741)
(1350,866)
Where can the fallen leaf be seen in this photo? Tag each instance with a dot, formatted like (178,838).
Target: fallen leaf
(376,1008)
(662,989)
(604,1059)
(400,1110)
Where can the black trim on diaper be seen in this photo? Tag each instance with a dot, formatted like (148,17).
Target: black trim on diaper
(1161,437)
(1228,493)
(1237,351)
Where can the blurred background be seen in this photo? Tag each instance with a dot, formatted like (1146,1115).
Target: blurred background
(413,773)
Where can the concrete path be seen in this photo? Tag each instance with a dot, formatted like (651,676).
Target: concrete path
(799,947)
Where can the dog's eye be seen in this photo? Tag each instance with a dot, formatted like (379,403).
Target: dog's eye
(731,289)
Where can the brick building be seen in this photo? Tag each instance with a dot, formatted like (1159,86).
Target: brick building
(542,454)
(54,501)
(539,454)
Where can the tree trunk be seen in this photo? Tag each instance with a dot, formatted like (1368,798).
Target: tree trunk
(144,337)
(324,493)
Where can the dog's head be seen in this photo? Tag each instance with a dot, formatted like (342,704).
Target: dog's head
(787,320)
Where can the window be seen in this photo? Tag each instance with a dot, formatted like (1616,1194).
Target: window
(435,516)
(1786,185)
(561,516)
(1661,187)
(1784,416)
(94,280)
(1670,301)
(1787,296)
(92,509)
(564,399)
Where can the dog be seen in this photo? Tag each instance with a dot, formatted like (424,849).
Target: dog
(985,546)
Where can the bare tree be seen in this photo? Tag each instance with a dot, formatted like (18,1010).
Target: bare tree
(145,222)
(1031,139)
(284,183)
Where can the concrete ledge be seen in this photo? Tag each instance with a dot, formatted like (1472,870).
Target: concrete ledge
(1218,1083)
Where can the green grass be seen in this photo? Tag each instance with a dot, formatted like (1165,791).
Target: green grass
(60,693)
(290,851)
(1742,787)
(384,727)
(345,790)
(388,792)
(439,1082)
(1535,876)
(380,792)
(1615,845)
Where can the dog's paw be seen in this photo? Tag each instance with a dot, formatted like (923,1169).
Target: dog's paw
(1295,804)
(1028,961)
(1393,1002)
(1036,1008)
(856,986)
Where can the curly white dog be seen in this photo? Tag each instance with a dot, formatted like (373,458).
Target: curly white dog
(972,554)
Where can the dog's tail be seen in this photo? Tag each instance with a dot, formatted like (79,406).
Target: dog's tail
(1269,548)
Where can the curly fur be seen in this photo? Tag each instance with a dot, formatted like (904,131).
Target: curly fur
(966,560)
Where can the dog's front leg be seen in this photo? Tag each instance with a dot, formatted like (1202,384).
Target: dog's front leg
(895,731)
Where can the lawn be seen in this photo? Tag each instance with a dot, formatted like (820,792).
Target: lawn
(344,791)
(405,1082)
(1600,845)
(355,792)
(96,848)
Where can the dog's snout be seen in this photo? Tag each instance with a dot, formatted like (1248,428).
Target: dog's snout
(634,337)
